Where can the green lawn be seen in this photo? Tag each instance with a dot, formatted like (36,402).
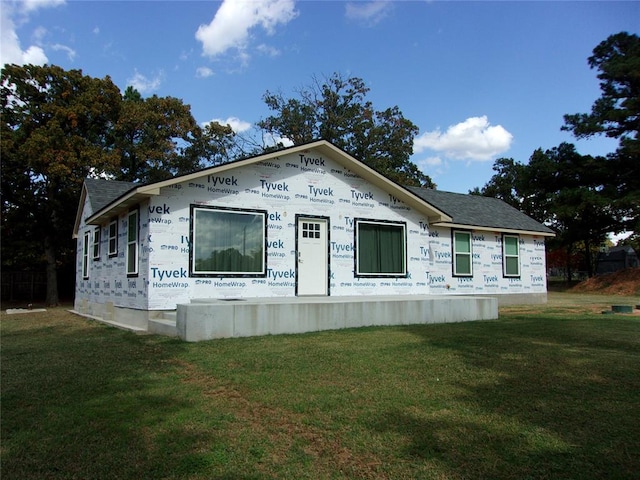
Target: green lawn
(550,392)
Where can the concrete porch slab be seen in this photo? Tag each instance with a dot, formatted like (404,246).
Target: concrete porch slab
(205,319)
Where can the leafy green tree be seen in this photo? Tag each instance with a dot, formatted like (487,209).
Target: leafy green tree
(59,127)
(563,189)
(616,114)
(505,184)
(570,194)
(157,138)
(337,110)
(55,131)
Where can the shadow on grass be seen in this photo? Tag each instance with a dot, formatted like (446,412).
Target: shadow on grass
(552,399)
(81,400)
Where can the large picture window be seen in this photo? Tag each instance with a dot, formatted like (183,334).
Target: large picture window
(132,243)
(462,263)
(228,242)
(113,238)
(511,255)
(381,249)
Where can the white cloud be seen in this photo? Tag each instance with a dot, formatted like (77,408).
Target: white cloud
(13,13)
(235,123)
(268,50)
(432,166)
(473,139)
(235,19)
(33,55)
(204,72)
(369,13)
(432,161)
(71,53)
(29,6)
(143,84)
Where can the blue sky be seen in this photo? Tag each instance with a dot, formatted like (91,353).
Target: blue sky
(481,80)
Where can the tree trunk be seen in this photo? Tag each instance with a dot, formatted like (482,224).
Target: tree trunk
(588,260)
(52,272)
(569,273)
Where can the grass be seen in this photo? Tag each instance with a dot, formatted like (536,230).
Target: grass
(546,392)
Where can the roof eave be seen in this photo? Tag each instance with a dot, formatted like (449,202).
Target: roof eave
(83,198)
(493,229)
(133,197)
(399,192)
(123,204)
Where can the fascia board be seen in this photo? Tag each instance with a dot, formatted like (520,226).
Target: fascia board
(492,229)
(432,213)
(83,198)
(122,204)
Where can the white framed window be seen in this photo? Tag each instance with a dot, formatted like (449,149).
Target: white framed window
(381,248)
(132,243)
(462,258)
(96,243)
(113,238)
(511,255)
(86,248)
(228,242)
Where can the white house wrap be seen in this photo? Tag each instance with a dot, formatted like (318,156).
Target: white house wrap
(305,221)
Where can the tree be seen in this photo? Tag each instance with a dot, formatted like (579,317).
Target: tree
(570,191)
(59,127)
(565,190)
(616,114)
(337,110)
(157,138)
(55,131)
(505,184)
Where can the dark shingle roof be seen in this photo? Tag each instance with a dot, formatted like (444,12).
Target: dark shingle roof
(102,192)
(471,210)
(476,210)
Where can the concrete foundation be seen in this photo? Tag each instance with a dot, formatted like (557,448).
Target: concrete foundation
(505,299)
(209,318)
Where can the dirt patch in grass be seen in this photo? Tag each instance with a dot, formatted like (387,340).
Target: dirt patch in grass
(624,282)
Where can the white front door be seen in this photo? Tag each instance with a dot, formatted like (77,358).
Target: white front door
(313,256)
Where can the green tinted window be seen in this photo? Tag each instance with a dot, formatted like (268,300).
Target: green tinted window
(511,255)
(381,249)
(462,253)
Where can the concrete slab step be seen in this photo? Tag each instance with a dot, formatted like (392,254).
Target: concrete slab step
(163,326)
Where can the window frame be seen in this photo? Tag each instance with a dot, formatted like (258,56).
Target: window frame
(505,256)
(86,245)
(455,253)
(387,223)
(193,230)
(112,234)
(133,241)
(97,236)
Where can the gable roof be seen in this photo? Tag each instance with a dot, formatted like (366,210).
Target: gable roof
(138,193)
(111,198)
(100,193)
(481,213)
